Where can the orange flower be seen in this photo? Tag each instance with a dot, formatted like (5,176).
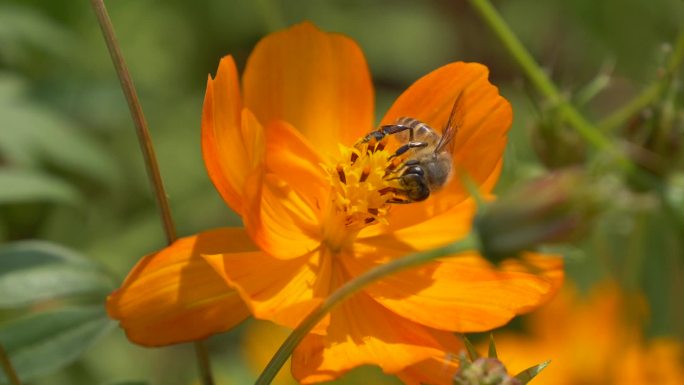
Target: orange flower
(280,151)
(593,340)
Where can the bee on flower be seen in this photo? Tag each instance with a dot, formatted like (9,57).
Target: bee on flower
(324,196)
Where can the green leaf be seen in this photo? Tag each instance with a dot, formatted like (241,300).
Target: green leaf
(492,347)
(45,342)
(23,28)
(33,135)
(472,352)
(20,186)
(34,271)
(528,374)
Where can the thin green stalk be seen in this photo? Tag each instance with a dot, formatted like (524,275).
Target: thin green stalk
(471,242)
(147,149)
(7,367)
(539,78)
(138,117)
(649,94)
(587,130)
(203,362)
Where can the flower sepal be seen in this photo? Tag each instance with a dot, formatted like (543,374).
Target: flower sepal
(476,370)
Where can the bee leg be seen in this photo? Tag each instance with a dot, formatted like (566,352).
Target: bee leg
(407,164)
(373,136)
(401,150)
(399,201)
(392,129)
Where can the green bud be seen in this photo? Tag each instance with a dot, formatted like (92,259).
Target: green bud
(553,209)
(484,371)
(654,136)
(557,145)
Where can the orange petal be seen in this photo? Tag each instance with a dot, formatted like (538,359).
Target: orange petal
(462,293)
(448,226)
(280,220)
(260,341)
(316,81)
(283,197)
(282,291)
(479,143)
(362,332)
(232,138)
(174,296)
(291,157)
(436,370)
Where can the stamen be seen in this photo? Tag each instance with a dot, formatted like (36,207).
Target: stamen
(364,174)
(340,174)
(396,162)
(360,192)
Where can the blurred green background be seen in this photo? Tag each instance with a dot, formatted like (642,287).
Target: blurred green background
(71,172)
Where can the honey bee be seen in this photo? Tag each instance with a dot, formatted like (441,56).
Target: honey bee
(428,166)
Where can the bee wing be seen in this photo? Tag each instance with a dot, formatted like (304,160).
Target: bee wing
(455,121)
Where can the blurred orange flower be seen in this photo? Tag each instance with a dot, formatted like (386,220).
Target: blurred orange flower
(593,340)
(280,151)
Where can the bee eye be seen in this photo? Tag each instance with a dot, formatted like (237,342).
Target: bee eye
(414,170)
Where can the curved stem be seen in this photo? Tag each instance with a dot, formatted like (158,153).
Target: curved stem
(539,78)
(203,362)
(147,149)
(587,130)
(649,94)
(470,242)
(138,118)
(7,367)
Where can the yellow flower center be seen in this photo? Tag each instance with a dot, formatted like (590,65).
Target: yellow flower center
(363,182)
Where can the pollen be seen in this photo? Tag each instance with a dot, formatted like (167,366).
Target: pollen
(362,185)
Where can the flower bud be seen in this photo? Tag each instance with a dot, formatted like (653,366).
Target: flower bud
(557,145)
(484,371)
(654,135)
(552,209)
(654,140)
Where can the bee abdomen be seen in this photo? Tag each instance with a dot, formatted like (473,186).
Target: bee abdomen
(421,131)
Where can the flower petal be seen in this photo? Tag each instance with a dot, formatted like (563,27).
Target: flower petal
(448,226)
(479,142)
(232,138)
(316,81)
(174,296)
(282,291)
(362,332)
(462,293)
(291,157)
(436,370)
(282,197)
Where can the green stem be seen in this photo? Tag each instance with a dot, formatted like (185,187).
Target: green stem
(587,130)
(203,362)
(470,242)
(138,117)
(539,78)
(7,367)
(149,156)
(649,94)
